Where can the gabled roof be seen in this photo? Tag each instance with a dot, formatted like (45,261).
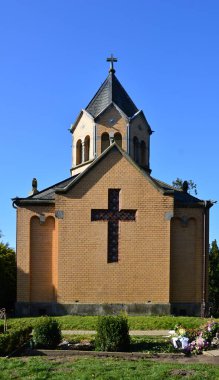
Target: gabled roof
(116,147)
(179,195)
(48,195)
(111,91)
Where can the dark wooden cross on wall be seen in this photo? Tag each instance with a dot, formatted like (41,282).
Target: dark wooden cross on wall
(113,215)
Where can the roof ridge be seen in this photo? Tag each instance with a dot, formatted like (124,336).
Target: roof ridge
(111,74)
(102,155)
(162,183)
(97,92)
(123,89)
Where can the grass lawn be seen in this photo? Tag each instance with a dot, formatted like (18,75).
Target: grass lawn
(71,322)
(103,369)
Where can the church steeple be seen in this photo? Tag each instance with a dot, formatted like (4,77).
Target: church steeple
(111,91)
(110,115)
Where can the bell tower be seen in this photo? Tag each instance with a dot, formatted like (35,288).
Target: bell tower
(111,116)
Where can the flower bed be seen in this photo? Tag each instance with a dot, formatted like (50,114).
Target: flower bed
(196,340)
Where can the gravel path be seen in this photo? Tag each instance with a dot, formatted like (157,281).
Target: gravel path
(131,332)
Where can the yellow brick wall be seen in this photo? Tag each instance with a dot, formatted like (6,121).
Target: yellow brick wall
(186,255)
(85,127)
(23,250)
(142,272)
(41,259)
(159,260)
(139,128)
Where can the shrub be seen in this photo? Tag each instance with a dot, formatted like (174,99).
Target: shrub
(13,339)
(112,334)
(47,333)
(7,276)
(151,344)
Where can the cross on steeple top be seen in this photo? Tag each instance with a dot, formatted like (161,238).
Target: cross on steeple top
(111,59)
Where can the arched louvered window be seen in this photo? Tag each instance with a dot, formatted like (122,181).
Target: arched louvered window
(118,139)
(78,152)
(105,141)
(135,148)
(143,153)
(87,148)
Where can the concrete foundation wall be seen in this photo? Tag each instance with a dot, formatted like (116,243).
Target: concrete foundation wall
(58,309)
(44,308)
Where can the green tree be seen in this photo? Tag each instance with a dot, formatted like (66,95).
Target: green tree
(192,187)
(214,278)
(7,276)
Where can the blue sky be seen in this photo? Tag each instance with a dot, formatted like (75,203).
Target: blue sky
(53,59)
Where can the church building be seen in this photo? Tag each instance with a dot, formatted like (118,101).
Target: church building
(111,237)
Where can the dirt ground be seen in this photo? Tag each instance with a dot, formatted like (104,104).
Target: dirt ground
(71,355)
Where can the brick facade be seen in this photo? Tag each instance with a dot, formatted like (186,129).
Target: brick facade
(65,260)
(84,274)
(62,253)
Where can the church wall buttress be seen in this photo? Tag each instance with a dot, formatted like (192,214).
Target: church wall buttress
(23,256)
(186,255)
(42,252)
(23,252)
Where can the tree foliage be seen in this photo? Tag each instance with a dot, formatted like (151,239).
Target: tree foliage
(192,187)
(7,276)
(214,278)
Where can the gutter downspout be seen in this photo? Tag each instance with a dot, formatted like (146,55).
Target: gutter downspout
(127,142)
(95,141)
(205,239)
(16,208)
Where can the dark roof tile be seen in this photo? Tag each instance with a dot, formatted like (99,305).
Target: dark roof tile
(111,91)
(49,193)
(179,195)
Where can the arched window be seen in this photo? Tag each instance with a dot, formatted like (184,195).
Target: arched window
(105,141)
(78,152)
(135,148)
(143,153)
(87,148)
(118,139)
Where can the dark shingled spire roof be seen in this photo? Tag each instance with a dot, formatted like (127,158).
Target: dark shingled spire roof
(111,91)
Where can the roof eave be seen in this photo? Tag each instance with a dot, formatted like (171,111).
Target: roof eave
(199,204)
(118,109)
(23,201)
(141,113)
(74,125)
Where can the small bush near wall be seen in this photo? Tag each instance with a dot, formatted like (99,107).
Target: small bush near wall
(112,334)
(47,333)
(13,339)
